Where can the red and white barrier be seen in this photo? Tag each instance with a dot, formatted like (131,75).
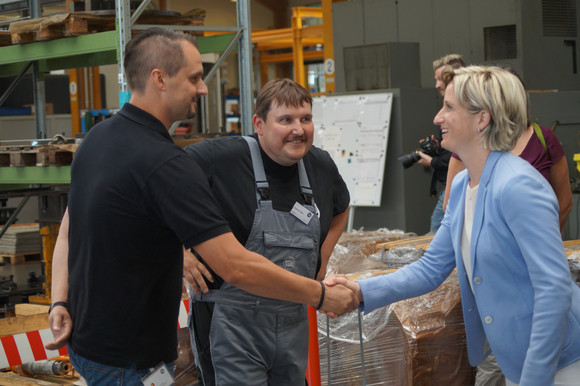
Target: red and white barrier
(29,346)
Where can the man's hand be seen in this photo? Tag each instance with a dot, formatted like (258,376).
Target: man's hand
(338,300)
(333,280)
(425,159)
(194,272)
(338,282)
(61,327)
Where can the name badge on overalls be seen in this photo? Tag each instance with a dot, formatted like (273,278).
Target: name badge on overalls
(301,213)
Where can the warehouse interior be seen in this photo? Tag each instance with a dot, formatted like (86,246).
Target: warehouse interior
(334,48)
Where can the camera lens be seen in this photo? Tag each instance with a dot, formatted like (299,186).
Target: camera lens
(409,160)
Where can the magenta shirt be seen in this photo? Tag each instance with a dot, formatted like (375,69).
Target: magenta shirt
(535,154)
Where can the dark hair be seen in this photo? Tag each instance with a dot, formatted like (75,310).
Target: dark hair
(154,48)
(283,92)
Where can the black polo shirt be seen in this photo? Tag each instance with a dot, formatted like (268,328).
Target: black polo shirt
(227,164)
(135,198)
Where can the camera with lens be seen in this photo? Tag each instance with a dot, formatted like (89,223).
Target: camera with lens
(427,146)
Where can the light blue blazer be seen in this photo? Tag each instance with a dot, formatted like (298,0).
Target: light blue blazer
(524,300)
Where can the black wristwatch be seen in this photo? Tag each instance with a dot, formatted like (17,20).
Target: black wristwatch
(64,304)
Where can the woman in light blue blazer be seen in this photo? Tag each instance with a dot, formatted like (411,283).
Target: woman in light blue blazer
(501,232)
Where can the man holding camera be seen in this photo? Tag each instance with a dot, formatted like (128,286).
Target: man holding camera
(438,158)
(438,162)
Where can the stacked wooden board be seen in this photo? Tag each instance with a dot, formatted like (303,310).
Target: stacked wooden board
(21,243)
(82,23)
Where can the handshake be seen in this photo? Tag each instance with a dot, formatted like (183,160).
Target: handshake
(342,295)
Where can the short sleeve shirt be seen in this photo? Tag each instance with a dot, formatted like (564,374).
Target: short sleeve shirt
(135,199)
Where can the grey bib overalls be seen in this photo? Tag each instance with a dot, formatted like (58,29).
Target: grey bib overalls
(256,340)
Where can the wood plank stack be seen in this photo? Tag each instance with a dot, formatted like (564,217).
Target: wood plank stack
(83,23)
(20,241)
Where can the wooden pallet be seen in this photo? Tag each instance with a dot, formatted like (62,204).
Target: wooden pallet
(58,26)
(24,156)
(20,258)
(83,23)
(5,39)
(41,155)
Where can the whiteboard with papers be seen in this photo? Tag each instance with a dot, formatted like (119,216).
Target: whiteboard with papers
(354,130)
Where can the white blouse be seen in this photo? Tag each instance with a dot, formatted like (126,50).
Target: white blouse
(470,197)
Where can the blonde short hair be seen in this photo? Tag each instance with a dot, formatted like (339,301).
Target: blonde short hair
(500,93)
(451,60)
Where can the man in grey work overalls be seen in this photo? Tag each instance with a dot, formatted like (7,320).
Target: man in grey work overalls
(284,199)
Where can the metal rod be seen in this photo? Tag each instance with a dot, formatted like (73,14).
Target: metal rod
(222,57)
(13,216)
(328,348)
(362,352)
(14,83)
(245,67)
(39,100)
(350,221)
(123,15)
(139,11)
(189,28)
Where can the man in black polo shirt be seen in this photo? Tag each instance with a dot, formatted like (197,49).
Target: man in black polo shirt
(135,200)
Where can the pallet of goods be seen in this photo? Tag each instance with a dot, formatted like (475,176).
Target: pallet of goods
(21,243)
(419,341)
(39,155)
(83,23)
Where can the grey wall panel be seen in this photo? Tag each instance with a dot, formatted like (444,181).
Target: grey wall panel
(406,203)
(456,26)
(380,21)
(547,61)
(348,31)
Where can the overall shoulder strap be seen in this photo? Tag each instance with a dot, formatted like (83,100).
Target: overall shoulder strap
(305,188)
(262,186)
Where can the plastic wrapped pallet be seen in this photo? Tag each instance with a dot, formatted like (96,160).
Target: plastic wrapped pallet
(387,359)
(423,335)
(574,264)
(435,332)
(366,242)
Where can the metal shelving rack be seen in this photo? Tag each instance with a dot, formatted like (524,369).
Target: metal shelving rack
(107,48)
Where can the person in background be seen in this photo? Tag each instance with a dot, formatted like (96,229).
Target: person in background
(540,147)
(285,199)
(135,200)
(440,162)
(501,232)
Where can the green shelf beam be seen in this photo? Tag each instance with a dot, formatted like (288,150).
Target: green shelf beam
(92,49)
(95,49)
(214,43)
(35,175)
